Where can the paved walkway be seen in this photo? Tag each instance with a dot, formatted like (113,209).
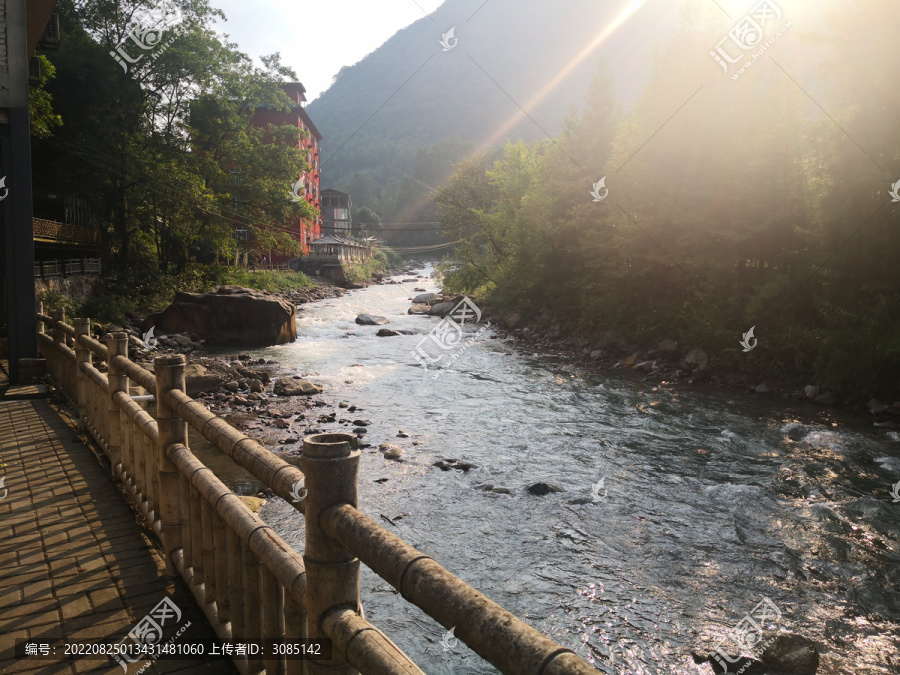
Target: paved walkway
(75,563)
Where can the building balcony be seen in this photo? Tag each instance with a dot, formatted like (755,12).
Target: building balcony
(52,232)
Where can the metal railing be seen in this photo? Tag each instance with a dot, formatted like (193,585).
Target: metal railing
(58,268)
(50,230)
(249,582)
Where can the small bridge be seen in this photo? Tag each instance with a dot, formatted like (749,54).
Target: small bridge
(249,583)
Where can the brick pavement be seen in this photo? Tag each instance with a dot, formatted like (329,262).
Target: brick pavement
(75,562)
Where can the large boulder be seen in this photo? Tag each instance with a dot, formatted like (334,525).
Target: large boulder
(442,308)
(229,315)
(198,381)
(288,386)
(370,320)
(419,308)
(425,298)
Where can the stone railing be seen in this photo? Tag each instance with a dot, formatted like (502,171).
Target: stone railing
(248,581)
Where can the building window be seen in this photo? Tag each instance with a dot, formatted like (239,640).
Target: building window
(235,177)
(241,234)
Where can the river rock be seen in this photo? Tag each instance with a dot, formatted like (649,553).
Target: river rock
(597,354)
(419,309)
(182,341)
(441,308)
(425,298)
(826,399)
(198,381)
(629,361)
(512,320)
(232,386)
(669,350)
(362,423)
(876,407)
(539,489)
(256,386)
(390,451)
(810,391)
(371,320)
(387,332)
(288,386)
(229,315)
(763,389)
(253,503)
(791,653)
(695,360)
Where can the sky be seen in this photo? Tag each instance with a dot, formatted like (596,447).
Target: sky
(317,38)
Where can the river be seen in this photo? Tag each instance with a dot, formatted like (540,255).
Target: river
(706,507)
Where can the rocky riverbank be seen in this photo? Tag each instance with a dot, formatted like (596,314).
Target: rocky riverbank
(671,364)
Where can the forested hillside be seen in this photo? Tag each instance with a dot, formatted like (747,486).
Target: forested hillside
(396,122)
(759,202)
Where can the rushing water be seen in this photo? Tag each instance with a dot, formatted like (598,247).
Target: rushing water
(707,505)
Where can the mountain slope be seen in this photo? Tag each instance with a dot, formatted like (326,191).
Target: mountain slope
(410,94)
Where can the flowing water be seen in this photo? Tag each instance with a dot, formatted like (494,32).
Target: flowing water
(707,503)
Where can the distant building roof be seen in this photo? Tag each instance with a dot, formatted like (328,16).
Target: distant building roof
(335,241)
(337,192)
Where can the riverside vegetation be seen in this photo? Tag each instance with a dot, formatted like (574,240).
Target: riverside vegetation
(740,211)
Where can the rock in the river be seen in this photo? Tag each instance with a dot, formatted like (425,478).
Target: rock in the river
(810,391)
(387,332)
(371,320)
(875,406)
(253,503)
(197,381)
(629,361)
(288,386)
(229,315)
(695,360)
(669,350)
(390,451)
(791,653)
(425,298)
(597,354)
(256,386)
(402,434)
(442,308)
(362,423)
(539,489)
(232,386)
(419,309)
(826,399)
(763,389)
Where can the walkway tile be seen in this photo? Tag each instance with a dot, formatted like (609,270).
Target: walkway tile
(75,563)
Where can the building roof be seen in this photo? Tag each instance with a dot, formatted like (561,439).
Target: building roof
(337,192)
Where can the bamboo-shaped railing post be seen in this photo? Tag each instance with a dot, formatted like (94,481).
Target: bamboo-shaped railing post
(116,345)
(40,322)
(59,316)
(82,355)
(331,465)
(169,372)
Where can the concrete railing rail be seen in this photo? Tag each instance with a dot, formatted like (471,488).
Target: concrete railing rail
(248,581)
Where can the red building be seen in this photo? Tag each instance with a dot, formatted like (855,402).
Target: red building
(302,230)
